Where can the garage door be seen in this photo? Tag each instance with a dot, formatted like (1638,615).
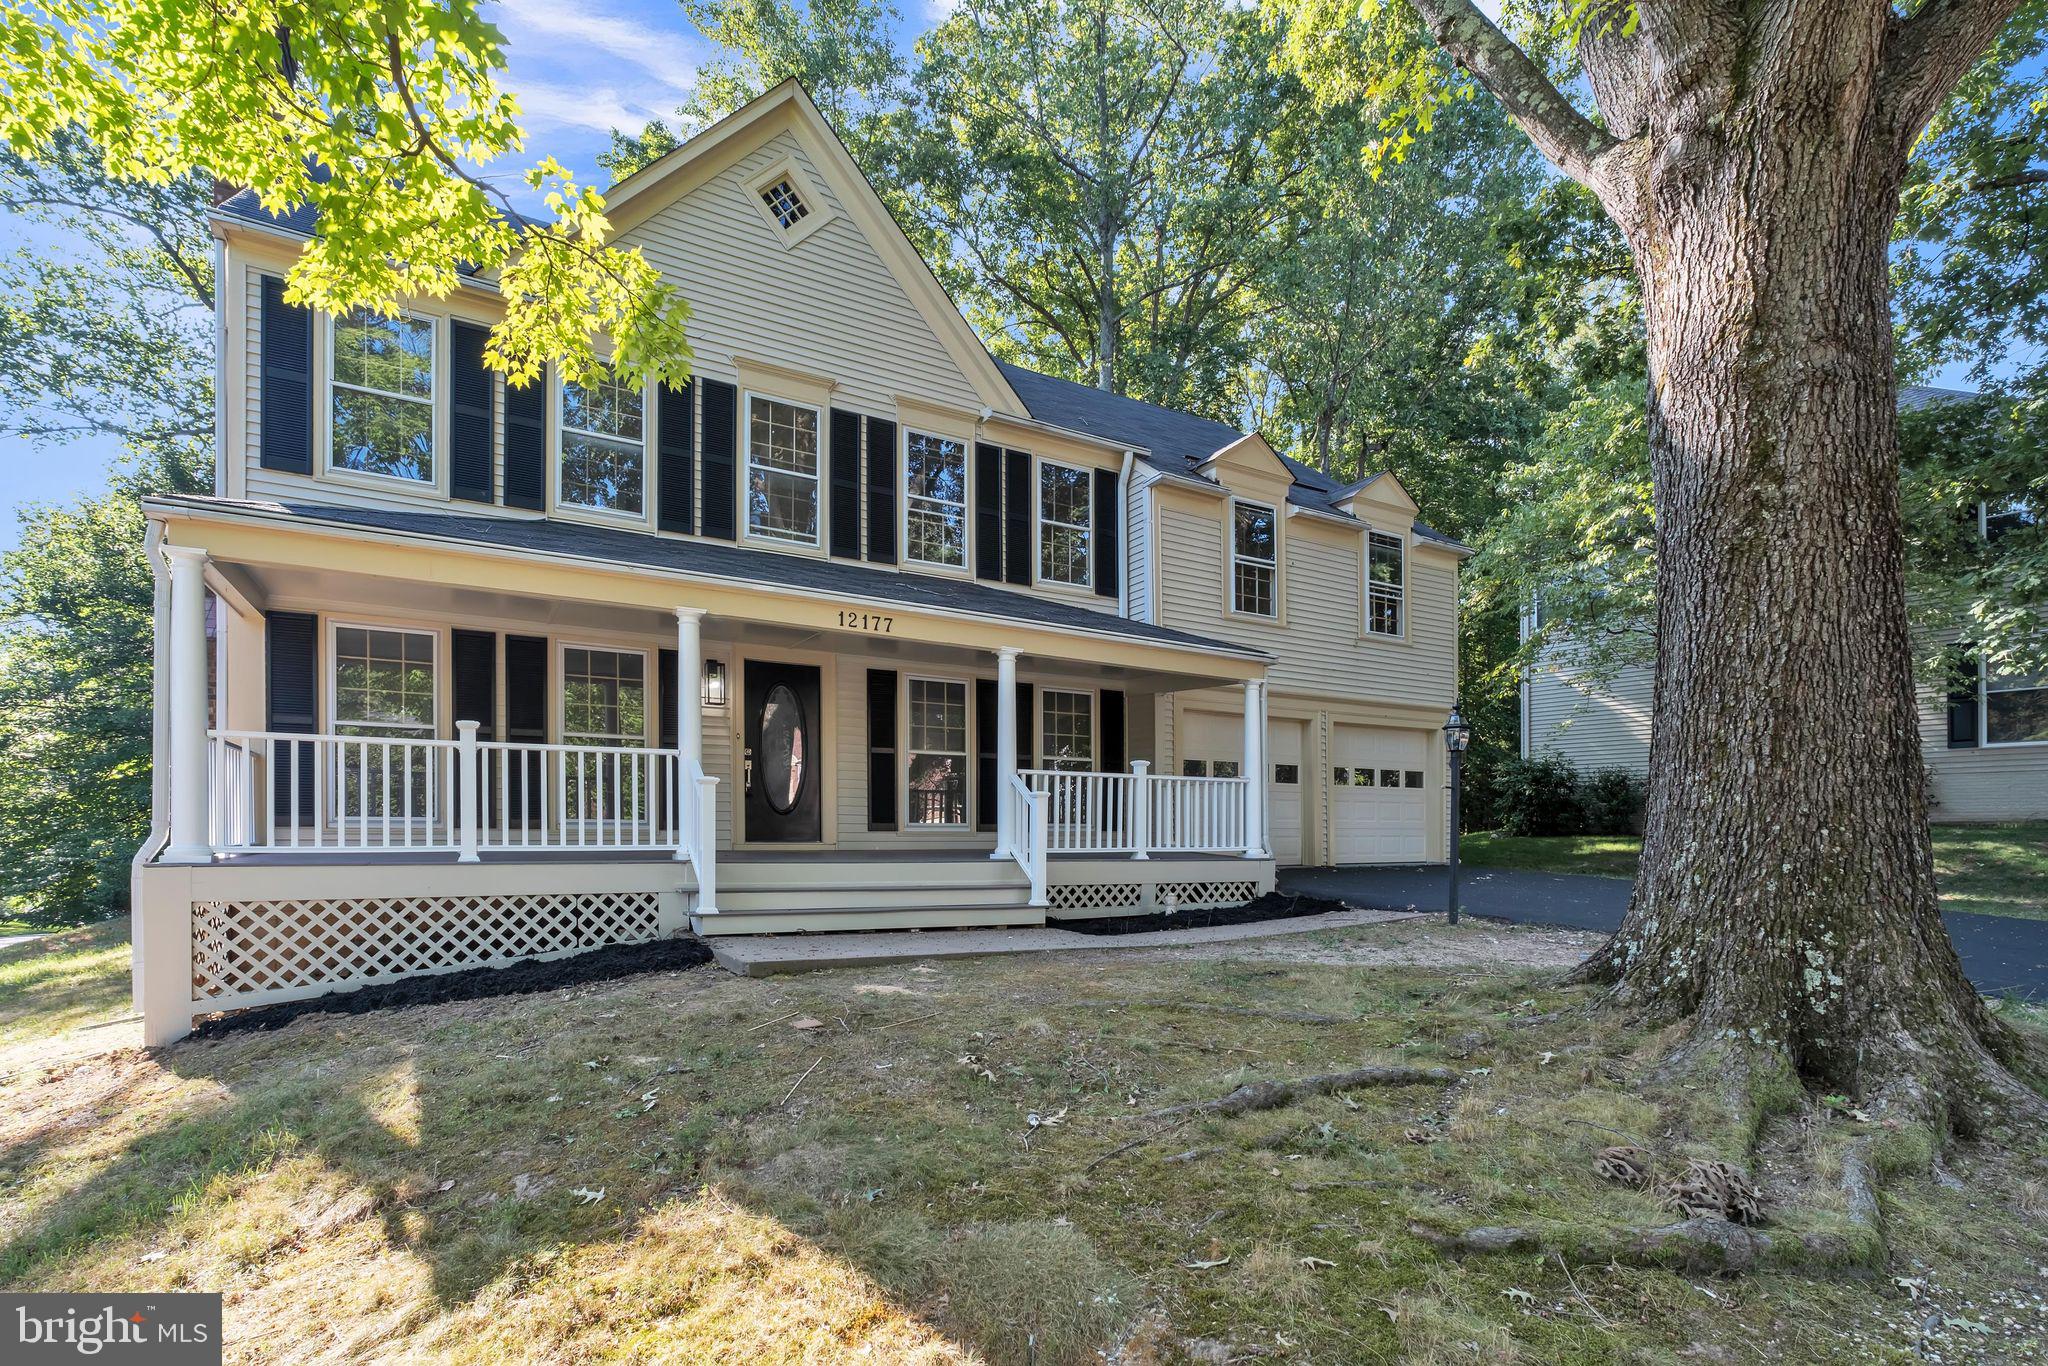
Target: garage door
(1283,789)
(1379,798)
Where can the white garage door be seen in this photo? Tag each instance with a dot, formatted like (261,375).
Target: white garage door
(1379,798)
(1283,789)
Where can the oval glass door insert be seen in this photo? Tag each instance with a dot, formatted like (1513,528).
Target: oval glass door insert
(784,748)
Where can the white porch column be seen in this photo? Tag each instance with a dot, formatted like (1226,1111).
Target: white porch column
(1253,769)
(689,728)
(1006,749)
(187,721)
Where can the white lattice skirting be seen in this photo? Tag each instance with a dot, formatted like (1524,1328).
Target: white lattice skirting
(1149,897)
(276,949)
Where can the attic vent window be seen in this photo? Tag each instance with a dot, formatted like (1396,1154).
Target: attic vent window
(785,205)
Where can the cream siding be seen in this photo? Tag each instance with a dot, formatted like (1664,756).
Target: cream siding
(1593,725)
(1320,646)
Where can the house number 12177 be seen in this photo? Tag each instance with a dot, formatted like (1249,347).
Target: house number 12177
(866,621)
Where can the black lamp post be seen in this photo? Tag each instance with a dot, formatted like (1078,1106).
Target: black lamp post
(1457,735)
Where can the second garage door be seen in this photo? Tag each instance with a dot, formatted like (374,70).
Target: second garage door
(1379,795)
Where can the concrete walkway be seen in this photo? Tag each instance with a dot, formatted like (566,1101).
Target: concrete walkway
(2004,955)
(764,955)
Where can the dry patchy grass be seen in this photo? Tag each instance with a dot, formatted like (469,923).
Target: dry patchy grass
(650,1169)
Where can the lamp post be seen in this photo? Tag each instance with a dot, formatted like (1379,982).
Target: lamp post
(1457,735)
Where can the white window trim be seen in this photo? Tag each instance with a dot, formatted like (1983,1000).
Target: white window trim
(1038,524)
(1040,693)
(1984,740)
(807,189)
(331,685)
(814,546)
(1230,606)
(557,429)
(1401,541)
(324,416)
(651,706)
(966,565)
(967,756)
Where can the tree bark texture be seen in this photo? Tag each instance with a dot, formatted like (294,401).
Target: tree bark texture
(1752,157)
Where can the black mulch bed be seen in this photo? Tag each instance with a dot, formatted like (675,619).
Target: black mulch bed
(474,984)
(1271,906)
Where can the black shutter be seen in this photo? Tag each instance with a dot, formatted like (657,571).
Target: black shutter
(675,449)
(470,435)
(286,434)
(988,512)
(721,422)
(526,716)
(985,794)
(475,665)
(1026,753)
(881,749)
(291,665)
(1108,567)
(526,443)
(881,491)
(1017,516)
(845,508)
(1962,669)
(1113,759)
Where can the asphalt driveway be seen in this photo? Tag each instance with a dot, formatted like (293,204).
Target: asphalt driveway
(2003,954)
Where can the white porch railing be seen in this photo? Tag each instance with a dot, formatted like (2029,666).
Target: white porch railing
(271,790)
(1028,821)
(1138,814)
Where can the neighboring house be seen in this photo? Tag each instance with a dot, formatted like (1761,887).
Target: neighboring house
(1985,744)
(858,628)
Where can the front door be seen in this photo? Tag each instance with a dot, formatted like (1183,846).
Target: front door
(784,751)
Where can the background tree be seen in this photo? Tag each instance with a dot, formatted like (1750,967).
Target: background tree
(1752,158)
(375,115)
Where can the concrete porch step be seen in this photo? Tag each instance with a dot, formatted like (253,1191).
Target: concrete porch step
(814,919)
(882,893)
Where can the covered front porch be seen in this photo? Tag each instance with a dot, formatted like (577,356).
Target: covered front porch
(770,756)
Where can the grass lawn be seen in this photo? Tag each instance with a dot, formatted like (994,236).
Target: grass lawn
(1988,869)
(672,1167)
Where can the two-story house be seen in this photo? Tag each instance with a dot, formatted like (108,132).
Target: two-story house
(856,628)
(1983,737)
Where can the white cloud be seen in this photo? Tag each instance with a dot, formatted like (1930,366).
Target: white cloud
(670,56)
(598,108)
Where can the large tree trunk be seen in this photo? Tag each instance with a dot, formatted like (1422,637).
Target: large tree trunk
(1786,899)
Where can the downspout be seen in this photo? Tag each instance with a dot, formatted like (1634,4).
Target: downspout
(220,370)
(1123,499)
(159,771)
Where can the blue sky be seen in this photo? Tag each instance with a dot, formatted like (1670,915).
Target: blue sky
(579,67)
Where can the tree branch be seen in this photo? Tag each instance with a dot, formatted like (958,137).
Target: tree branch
(2018,180)
(1929,53)
(1568,139)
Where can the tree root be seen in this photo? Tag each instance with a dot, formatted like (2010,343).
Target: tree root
(1272,1095)
(1693,1245)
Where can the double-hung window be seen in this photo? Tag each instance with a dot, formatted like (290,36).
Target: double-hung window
(381,403)
(1254,559)
(1386,575)
(1064,523)
(1067,725)
(2009,515)
(604,447)
(782,471)
(604,705)
(2015,707)
(384,691)
(935,500)
(938,752)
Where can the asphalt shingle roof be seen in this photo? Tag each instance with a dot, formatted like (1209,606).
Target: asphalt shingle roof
(714,560)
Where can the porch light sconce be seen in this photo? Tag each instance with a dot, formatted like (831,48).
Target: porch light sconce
(714,683)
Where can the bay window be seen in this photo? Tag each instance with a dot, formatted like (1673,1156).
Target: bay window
(935,500)
(381,395)
(938,752)
(1065,529)
(603,460)
(782,471)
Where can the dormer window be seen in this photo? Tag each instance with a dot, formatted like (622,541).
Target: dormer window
(785,205)
(1386,578)
(1254,559)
